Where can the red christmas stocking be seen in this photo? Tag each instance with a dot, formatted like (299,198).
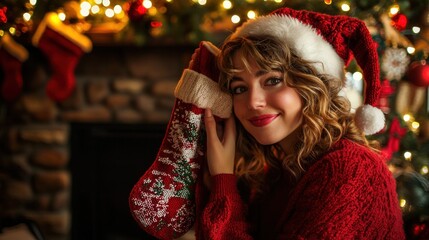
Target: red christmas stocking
(163,200)
(12,55)
(63,46)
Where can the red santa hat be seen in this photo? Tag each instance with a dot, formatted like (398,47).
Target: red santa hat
(330,42)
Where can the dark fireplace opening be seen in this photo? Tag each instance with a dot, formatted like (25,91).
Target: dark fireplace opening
(106,161)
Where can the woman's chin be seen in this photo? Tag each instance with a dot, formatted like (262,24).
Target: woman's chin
(265,141)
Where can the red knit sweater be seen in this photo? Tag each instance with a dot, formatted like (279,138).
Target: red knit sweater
(347,194)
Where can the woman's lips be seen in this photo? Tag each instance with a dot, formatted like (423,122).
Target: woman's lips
(262,120)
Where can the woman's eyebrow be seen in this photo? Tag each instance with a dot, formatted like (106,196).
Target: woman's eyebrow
(263,72)
(235,79)
(260,73)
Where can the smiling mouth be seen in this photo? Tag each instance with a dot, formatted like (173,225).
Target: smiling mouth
(263,120)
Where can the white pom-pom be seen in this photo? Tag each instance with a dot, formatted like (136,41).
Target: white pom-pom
(369,119)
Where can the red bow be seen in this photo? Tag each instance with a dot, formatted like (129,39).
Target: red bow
(396,132)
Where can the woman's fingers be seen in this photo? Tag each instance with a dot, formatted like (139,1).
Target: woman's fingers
(210,124)
(230,133)
(220,151)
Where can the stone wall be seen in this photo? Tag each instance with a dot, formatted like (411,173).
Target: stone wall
(114,84)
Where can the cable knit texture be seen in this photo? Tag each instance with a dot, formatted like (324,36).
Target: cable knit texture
(347,194)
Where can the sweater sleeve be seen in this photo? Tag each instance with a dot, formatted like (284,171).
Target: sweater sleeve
(224,214)
(345,195)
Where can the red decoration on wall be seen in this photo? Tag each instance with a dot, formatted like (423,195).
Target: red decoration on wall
(418,73)
(3,18)
(421,230)
(399,21)
(135,10)
(156,24)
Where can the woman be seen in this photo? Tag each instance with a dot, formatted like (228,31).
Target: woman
(304,168)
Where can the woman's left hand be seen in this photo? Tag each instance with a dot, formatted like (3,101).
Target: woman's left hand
(220,147)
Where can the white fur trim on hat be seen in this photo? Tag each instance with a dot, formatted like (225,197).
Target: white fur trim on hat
(198,89)
(370,119)
(302,38)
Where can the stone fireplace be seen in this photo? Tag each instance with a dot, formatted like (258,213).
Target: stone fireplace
(68,166)
(106,160)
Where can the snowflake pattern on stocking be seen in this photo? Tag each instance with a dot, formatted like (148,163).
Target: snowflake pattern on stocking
(174,179)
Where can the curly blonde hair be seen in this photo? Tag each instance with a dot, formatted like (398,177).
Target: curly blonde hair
(326,114)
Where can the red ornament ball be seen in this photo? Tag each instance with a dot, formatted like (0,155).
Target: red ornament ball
(418,73)
(135,10)
(3,17)
(420,230)
(399,21)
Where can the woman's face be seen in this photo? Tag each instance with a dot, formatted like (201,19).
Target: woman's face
(266,107)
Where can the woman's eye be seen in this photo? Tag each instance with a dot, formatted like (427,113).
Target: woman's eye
(273,81)
(238,90)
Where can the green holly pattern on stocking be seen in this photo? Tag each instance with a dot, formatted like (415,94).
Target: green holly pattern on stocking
(165,198)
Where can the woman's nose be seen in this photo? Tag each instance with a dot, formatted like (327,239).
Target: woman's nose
(256,98)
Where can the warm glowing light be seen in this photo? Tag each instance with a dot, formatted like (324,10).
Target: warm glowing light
(95,9)
(109,13)
(84,12)
(278,1)
(202,2)
(62,16)
(106,3)
(251,14)
(415,125)
(1,33)
(328,2)
(227,4)
(12,30)
(147,4)
(406,117)
(98,1)
(416,29)
(26,16)
(411,50)
(235,19)
(85,6)
(152,11)
(357,76)
(345,7)
(402,202)
(117,9)
(424,170)
(33,2)
(407,156)
(394,9)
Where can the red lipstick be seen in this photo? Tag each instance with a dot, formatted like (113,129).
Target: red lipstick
(262,120)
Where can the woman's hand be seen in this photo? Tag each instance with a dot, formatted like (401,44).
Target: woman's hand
(220,147)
